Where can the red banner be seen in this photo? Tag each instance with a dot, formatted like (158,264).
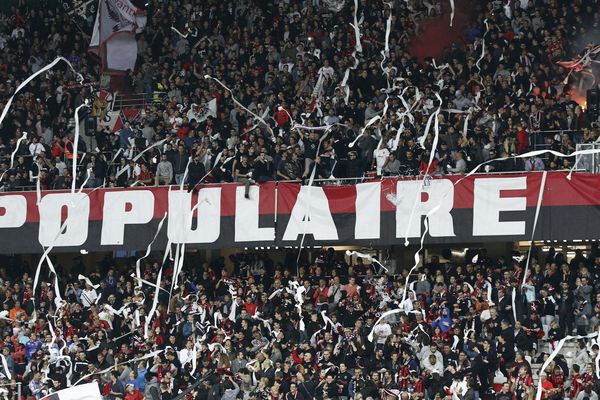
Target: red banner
(481,208)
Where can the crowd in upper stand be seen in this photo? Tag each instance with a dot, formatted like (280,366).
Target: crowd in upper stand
(270,55)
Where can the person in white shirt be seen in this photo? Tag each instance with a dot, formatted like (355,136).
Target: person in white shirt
(105,315)
(407,304)
(433,364)
(60,165)
(326,70)
(88,296)
(427,351)
(381,155)
(334,293)
(381,331)
(36,147)
(187,354)
(331,118)
(460,164)
(15,33)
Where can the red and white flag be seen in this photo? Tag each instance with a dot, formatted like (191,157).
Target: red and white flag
(201,114)
(113,38)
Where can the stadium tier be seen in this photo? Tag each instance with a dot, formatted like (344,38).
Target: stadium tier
(299,199)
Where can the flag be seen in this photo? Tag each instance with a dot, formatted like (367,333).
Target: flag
(89,391)
(113,37)
(103,104)
(200,114)
(115,120)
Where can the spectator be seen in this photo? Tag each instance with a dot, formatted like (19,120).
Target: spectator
(126,135)
(460,165)
(164,171)
(263,167)
(181,163)
(392,166)
(534,164)
(243,174)
(145,177)
(196,172)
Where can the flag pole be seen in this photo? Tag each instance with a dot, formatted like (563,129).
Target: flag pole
(101,45)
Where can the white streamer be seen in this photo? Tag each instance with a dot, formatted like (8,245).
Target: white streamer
(179,33)
(32,77)
(160,142)
(154,304)
(369,123)
(487,29)
(513,301)
(5,366)
(597,360)
(241,105)
(489,291)
(87,280)
(431,157)
(356,26)
(75,148)
(388,28)
(535,220)
(14,153)
(417,260)
(508,10)
(145,357)
(148,250)
(309,197)
(539,391)
(366,257)
(327,320)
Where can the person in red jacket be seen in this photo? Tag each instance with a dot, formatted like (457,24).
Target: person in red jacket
(282,116)
(132,393)
(548,389)
(522,139)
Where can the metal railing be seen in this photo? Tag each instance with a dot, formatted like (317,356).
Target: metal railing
(538,138)
(325,182)
(588,162)
(135,100)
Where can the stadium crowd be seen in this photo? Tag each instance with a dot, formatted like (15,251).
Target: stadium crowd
(286,62)
(463,325)
(249,327)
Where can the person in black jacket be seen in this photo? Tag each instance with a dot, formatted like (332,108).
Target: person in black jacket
(181,161)
(327,388)
(263,167)
(371,388)
(305,388)
(353,166)
(196,172)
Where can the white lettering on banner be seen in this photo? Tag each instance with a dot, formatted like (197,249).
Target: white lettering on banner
(440,191)
(488,204)
(208,227)
(125,7)
(313,219)
(368,211)
(246,217)
(76,225)
(484,198)
(123,208)
(13,211)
